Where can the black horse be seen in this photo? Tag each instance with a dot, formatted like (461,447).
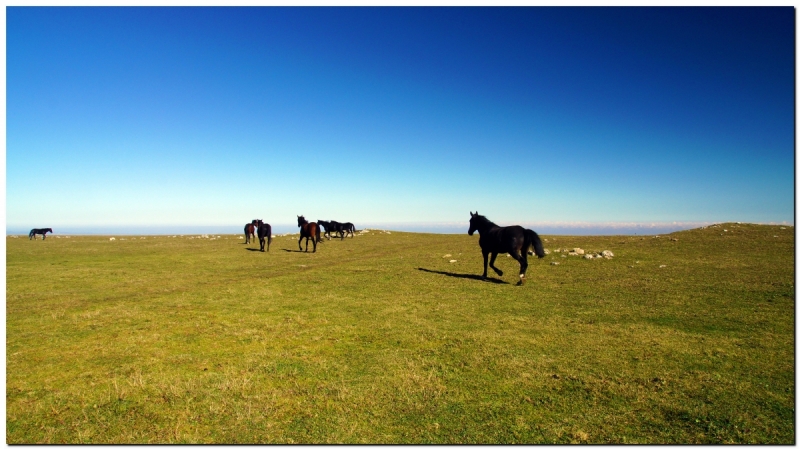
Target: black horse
(332,226)
(308,230)
(337,227)
(348,227)
(264,233)
(513,240)
(327,227)
(42,231)
(250,230)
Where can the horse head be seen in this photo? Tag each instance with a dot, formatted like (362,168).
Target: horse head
(301,221)
(472,225)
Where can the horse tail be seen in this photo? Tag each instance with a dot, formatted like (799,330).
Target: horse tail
(316,232)
(532,239)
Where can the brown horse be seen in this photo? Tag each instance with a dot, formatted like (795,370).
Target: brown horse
(250,231)
(308,230)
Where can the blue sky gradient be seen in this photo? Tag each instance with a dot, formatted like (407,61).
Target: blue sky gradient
(172,117)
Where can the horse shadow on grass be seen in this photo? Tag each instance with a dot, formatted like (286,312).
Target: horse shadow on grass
(253,249)
(464,275)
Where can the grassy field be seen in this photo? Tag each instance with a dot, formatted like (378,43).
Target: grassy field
(682,338)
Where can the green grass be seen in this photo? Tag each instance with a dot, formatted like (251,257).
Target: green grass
(381,339)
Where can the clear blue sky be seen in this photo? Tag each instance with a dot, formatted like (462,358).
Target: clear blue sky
(216,116)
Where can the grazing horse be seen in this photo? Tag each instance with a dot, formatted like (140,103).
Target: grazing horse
(327,227)
(348,227)
(42,231)
(308,230)
(250,231)
(513,240)
(264,232)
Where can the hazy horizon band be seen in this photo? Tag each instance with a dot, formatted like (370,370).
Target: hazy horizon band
(551,228)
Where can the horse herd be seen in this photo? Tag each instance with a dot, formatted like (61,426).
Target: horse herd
(264,231)
(494,239)
(308,230)
(515,240)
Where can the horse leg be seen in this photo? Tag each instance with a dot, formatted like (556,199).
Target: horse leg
(522,259)
(485,263)
(491,264)
(300,242)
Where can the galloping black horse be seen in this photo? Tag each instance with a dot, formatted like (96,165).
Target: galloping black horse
(42,231)
(337,227)
(264,232)
(327,227)
(250,230)
(332,226)
(513,240)
(308,230)
(348,227)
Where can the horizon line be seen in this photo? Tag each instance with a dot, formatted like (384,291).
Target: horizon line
(454,227)
(463,223)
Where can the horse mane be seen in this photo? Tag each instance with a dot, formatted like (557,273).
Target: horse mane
(485,220)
